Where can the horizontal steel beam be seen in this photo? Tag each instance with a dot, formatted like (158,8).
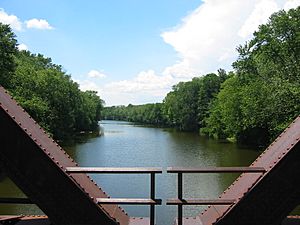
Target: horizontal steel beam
(108,170)
(129,201)
(197,201)
(216,170)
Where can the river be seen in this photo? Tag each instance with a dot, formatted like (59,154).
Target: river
(127,145)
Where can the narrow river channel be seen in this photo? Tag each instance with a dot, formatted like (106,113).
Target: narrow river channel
(127,145)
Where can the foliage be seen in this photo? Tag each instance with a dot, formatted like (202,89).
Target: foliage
(145,114)
(263,97)
(8,47)
(252,105)
(47,93)
(180,107)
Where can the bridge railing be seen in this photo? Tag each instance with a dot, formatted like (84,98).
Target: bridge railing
(152,201)
(180,201)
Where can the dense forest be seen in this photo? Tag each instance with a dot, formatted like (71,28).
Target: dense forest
(45,91)
(251,104)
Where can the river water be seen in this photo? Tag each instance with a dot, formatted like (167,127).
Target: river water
(127,145)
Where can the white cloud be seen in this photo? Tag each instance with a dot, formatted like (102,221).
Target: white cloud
(206,39)
(11,20)
(291,4)
(146,81)
(262,11)
(38,24)
(22,47)
(96,74)
(145,87)
(85,85)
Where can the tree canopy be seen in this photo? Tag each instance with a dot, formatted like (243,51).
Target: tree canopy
(45,91)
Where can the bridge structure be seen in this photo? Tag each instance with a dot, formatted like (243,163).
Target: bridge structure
(264,193)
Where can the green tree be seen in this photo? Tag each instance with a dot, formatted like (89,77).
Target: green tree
(8,48)
(256,104)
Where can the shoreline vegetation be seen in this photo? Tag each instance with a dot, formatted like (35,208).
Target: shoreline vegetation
(250,105)
(46,91)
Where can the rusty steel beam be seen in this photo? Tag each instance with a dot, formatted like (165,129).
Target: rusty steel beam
(264,198)
(198,201)
(108,170)
(36,164)
(216,170)
(129,201)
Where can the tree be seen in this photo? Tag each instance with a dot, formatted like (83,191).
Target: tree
(256,104)
(8,48)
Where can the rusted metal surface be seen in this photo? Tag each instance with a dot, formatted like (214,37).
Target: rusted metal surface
(24,220)
(199,201)
(9,218)
(216,170)
(152,201)
(264,198)
(129,201)
(37,164)
(118,170)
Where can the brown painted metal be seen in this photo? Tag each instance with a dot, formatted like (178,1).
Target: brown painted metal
(24,220)
(125,170)
(264,198)
(129,201)
(9,218)
(216,170)
(118,170)
(198,201)
(37,164)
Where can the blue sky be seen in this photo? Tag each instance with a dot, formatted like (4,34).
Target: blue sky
(133,51)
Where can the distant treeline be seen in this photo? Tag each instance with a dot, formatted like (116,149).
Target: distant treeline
(45,91)
(252,105)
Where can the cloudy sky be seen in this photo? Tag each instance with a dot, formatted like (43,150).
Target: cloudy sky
(133,51)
